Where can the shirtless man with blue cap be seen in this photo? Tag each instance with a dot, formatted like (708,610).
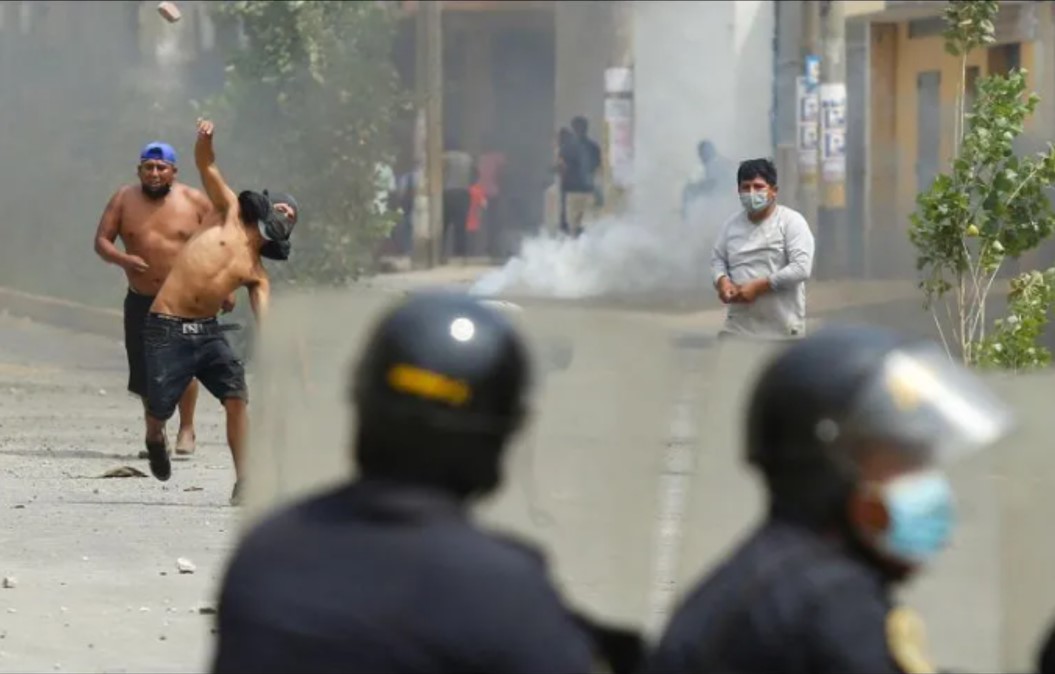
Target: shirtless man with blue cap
(153,219)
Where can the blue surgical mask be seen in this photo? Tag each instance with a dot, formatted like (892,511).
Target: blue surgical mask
(922,516)
(753,202)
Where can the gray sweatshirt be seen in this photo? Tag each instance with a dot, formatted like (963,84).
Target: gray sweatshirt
(780,248)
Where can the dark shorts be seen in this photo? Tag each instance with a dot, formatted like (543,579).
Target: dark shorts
(136,309)
(180,349)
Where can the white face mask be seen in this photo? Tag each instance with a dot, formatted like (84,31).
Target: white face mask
(922,516)
(754,202)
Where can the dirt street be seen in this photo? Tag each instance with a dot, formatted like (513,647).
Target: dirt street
(94,561)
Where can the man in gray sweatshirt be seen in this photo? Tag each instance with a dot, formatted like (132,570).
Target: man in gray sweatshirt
(762,259)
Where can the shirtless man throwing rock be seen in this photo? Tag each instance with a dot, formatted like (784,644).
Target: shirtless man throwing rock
(182,336)
(153,220)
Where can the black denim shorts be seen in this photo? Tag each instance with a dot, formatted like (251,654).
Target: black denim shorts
(136,309)
(180,349)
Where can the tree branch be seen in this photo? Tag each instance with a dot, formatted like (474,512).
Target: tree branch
(979,316)
(941,332)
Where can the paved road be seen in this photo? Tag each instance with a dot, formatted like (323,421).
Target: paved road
(95,559)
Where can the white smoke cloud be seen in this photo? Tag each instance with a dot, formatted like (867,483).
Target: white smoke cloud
(616,256)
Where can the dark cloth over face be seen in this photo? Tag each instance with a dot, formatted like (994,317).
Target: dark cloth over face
(284,198)
(275,227)
(276,250)
(255,207)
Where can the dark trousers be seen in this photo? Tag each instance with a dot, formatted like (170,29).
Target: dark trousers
(455,213)
(494,223)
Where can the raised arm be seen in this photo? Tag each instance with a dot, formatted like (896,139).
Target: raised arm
(202,206)
(222,197)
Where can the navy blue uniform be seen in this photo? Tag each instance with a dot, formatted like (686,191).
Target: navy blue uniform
(786,601)
(374,577)
(1046,656)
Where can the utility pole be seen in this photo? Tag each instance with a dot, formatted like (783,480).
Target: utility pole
(833,254)
(619,110)
(433,12)
(808,112)
(420,217)
(428,81)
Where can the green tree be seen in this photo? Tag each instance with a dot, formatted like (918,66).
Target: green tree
(992,204)
(1012,344)
(307,108)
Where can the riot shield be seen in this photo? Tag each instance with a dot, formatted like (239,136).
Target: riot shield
(630,474)
(581,477)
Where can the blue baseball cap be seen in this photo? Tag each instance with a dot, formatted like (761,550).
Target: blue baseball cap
(156,150)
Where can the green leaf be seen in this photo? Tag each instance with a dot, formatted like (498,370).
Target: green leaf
(990,205)
(318,82)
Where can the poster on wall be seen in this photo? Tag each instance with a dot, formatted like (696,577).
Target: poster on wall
(618,118)
(618,81)
(833,132)
(807,117)
(812,69)
(619,124)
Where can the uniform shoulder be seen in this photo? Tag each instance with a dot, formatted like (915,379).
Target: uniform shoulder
(498,557)
(518,549)
(275,530)
(469,557)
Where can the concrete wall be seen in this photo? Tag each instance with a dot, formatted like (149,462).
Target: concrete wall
(857,41)
(896,62)
(882,141)
(584,33)
(702,70)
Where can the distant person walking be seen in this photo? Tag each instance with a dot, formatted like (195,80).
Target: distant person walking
(761,260)
(713,180)
(406,190)
(457,178)
(474,222)
(580,158)
(553,208)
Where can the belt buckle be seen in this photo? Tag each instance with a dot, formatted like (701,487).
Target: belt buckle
(191,328)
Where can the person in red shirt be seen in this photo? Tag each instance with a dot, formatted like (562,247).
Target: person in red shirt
(473,221)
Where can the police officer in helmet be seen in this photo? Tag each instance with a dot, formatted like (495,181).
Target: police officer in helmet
(850,430)
(387,573)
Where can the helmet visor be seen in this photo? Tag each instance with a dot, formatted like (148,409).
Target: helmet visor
(923,401)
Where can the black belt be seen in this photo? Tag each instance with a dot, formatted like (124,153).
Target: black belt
(197,326)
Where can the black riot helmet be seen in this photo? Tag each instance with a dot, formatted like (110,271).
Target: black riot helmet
(442,384)
(845,388)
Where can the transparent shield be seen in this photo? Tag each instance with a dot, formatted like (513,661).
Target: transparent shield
(921,399)
(583,478)
(630,473)
(991,594)
(721,499)
(1022,471)
(299,413)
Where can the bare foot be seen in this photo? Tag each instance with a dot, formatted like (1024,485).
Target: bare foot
(186,443)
